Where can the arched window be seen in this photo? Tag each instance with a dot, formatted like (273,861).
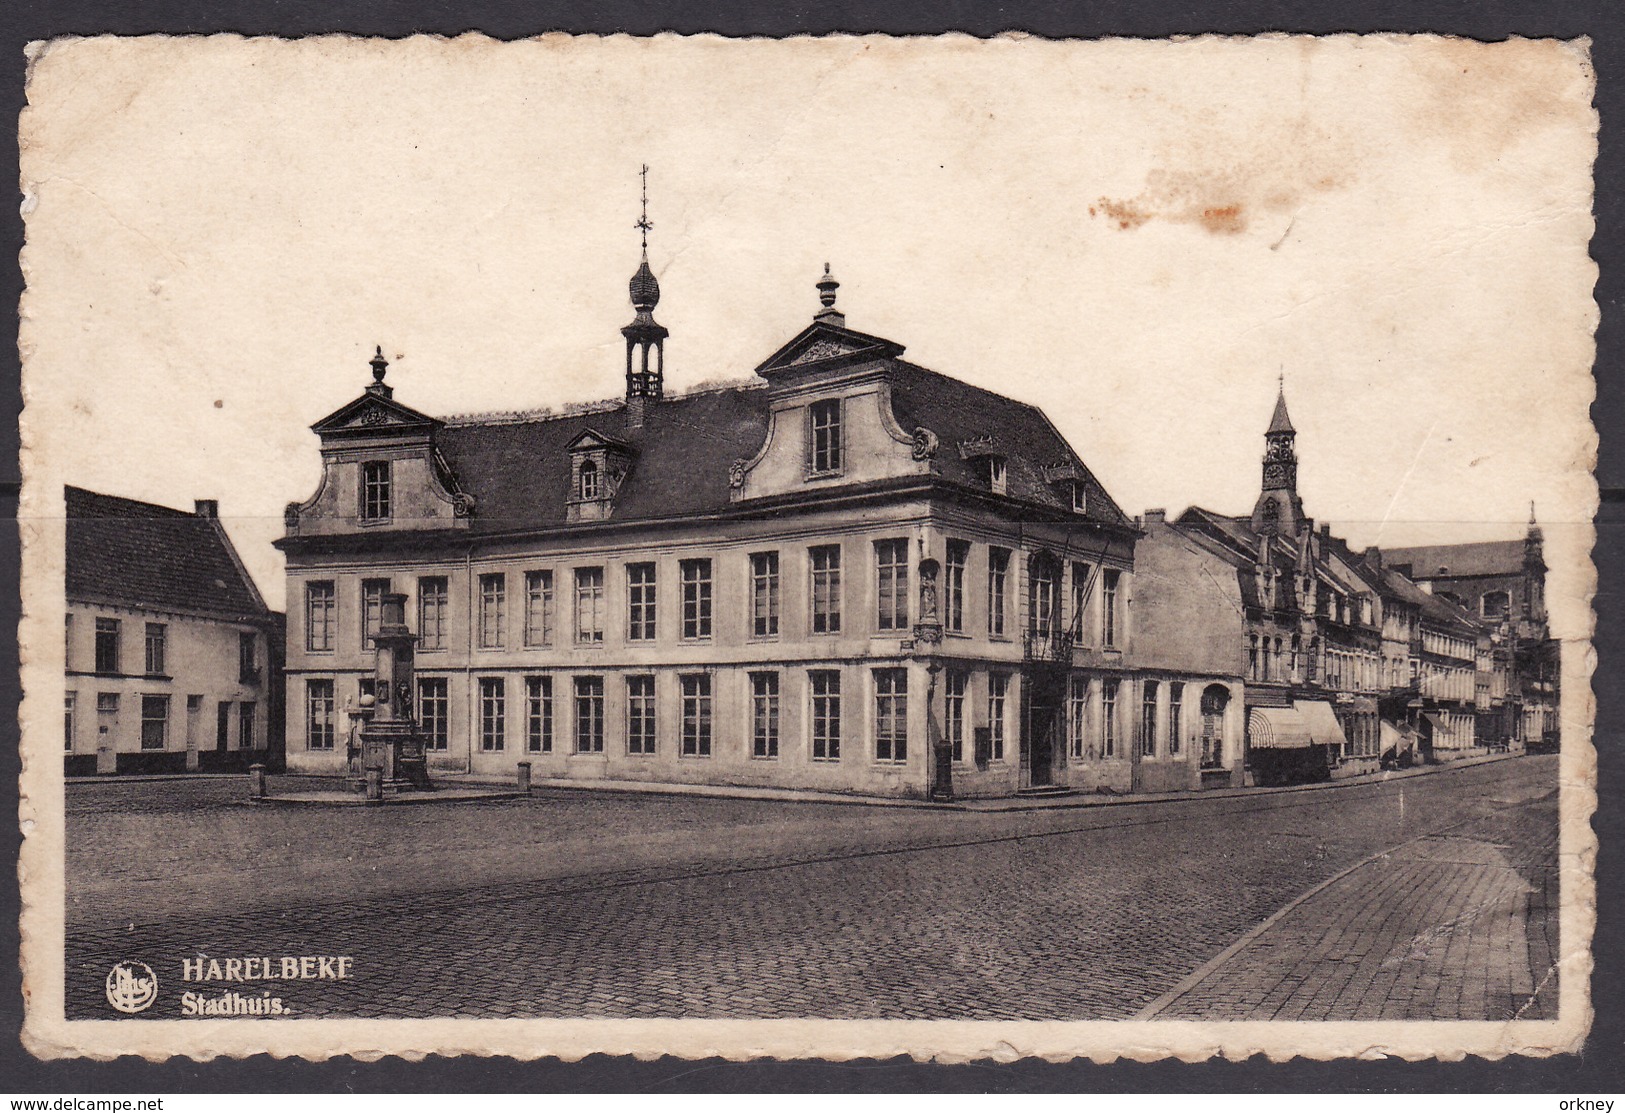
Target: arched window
(589,480)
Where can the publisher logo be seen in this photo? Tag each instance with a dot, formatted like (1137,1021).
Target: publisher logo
(131,986)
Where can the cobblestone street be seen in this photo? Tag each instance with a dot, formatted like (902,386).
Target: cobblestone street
(1429,897)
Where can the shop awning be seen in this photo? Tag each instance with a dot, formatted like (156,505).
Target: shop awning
(1277,728)
(1324,729)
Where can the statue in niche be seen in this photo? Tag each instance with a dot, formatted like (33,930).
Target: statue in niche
(928,593)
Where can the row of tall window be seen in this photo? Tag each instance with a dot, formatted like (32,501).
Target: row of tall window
(109,650)
(586,722)
(538,617)
(1160,727)
(155,732)
(1445,645)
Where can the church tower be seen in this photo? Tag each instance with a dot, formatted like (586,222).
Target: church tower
(1279,510)
(645,339)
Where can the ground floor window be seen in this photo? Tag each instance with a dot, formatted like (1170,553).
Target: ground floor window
(1077,718)
(640,714)
(696,715)
(154,722)
(998,698)
(1148,719)
(1108,718)
(764,714)
(891,715)
(493,713)
(826,714)
(318,715)
(953,688)
(433,718)
(589,714)
(539,714)
(70,702)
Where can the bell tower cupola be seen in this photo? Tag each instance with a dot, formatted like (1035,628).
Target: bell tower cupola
(1279,510)
(645,338)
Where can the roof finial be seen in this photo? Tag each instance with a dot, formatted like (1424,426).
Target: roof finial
(379,363)
(1531,511)
(643,224)
(827,285)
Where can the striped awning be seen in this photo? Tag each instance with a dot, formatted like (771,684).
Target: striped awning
(1323,726)
(1277,728)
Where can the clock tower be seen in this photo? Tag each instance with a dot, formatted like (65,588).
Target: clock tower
(1279,510)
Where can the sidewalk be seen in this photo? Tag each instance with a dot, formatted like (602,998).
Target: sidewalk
(1456,925)
(814,796)
(989,804)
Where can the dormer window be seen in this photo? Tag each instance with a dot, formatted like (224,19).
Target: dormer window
(825,440)
(598,465)
(1080,498)
(995,474)
(375,491)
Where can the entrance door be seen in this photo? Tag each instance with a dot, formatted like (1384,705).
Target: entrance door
(107,732)
(222,726)
(1214,699)
(1041,725)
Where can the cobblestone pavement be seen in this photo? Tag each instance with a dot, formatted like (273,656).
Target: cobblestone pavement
(575,904)
(1461,924)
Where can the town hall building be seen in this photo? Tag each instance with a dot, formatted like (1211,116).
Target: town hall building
(846,572)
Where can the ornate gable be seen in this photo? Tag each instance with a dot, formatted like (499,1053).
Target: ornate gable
(831,345)
(372,413)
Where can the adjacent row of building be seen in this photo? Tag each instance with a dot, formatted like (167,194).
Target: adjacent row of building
(846,573)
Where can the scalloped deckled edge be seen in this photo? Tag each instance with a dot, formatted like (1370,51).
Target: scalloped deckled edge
(40,874)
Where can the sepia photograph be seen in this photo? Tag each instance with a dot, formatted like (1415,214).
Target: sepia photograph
(818,547)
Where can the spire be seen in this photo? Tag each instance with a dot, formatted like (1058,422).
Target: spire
(1279,510)
(827,285)
(1280,423)
(645,338)
(379,365)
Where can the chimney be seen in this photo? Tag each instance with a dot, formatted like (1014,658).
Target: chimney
(1326,529)
(1156,517)
(206,508)
(637,405)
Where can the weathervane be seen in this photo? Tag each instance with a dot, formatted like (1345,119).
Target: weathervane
(644,224)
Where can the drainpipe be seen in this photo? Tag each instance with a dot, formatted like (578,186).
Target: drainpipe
(468,657)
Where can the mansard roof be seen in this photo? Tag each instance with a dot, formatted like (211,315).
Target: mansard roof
(1474,558)
(958,411)
(139,554)
(516,467)
(514,464)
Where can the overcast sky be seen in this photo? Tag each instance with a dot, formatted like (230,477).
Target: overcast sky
(1136,236)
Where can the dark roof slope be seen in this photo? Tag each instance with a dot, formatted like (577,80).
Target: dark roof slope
(517,469)
(957,411)
(1473,558)
(124,551)
(516,466)
(1443,612)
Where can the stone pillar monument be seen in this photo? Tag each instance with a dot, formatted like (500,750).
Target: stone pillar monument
(390,740)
